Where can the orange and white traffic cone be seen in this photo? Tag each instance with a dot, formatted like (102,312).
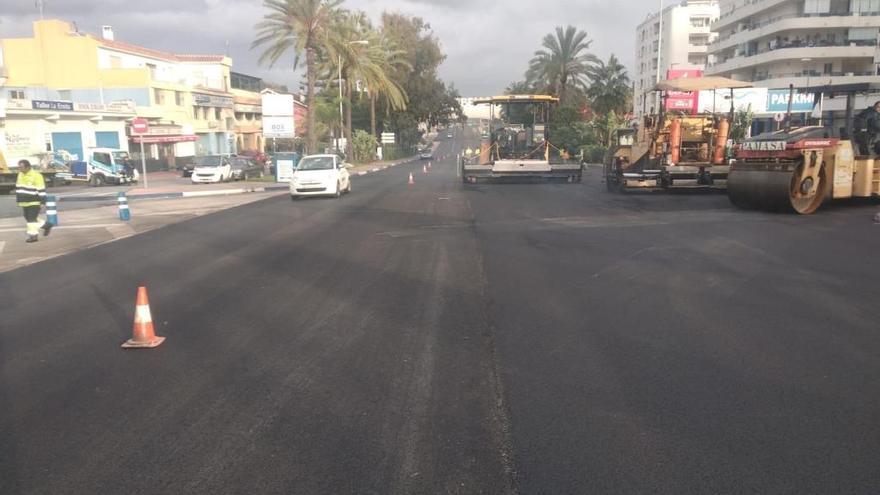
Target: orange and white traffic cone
(429,165)
(424,169)
(411,181)
(143,336)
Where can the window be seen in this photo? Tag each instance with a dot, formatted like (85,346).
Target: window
(818,6)
(656,45)
(16,94)
(828,69)
(178,98)
(217,114)
(152,69)
(158,96)
(64,94)
(115,62)
(696,59)
(699,22)
(698,39)
(196,113)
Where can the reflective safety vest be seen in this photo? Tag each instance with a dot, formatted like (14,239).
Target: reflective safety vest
(30,188)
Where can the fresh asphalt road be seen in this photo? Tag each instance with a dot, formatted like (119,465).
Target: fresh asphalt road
(441,338)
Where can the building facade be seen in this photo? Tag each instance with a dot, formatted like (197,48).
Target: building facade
(805,43)
(248,112)
(676,39)
(68,90)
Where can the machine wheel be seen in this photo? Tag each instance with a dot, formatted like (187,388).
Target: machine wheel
(97,180)
(777,190)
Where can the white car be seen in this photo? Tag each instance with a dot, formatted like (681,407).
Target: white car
(320,175)
(211,168)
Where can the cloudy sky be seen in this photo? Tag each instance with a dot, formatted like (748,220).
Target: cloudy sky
(487,42)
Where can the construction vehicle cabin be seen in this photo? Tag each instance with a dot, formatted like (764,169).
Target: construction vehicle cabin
(674,149)
(799,169)
(519,143)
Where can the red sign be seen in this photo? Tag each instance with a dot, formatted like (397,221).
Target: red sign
(681,101)
(140,126)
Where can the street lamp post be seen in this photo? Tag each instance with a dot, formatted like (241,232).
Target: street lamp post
(341,116)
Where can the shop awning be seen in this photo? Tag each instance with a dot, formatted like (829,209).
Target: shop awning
(700,84)
(162,139)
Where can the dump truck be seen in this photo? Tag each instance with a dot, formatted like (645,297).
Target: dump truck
(800,169)
(674,149)
(519,143)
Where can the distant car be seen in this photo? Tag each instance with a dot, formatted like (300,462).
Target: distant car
(244,168)
(257,156)
(449,135)
(427,154)
(211,168)
(320,175)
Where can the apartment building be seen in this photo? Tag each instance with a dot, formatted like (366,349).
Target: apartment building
(807,43)
(67,91)
(674,39)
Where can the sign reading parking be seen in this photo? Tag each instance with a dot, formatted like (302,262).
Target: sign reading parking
(777,101)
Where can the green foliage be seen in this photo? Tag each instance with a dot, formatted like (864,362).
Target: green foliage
(563,63)
(609,89)
(742,122)
(565,133)
(594,153)
(364,145)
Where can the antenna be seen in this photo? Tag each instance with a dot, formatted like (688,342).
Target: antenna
(39,5)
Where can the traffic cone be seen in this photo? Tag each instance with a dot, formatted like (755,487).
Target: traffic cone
(424,169)
(411,181)
(429,165)
(143,336)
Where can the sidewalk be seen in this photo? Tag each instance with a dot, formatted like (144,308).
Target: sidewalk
(86,228)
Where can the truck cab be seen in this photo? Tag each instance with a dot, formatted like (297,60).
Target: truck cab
(104,166)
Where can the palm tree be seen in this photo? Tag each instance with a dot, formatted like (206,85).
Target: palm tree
(609,87)
(563,62)
(387,62)
(297,26)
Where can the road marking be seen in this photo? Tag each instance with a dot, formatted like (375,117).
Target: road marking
(121,231)
(2,246)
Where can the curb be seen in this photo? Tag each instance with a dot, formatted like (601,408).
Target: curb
(111,197)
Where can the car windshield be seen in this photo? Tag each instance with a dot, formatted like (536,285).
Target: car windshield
(316,163)
(206,161)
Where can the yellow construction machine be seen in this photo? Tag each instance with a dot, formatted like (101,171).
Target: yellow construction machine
(674,149)
(799,169)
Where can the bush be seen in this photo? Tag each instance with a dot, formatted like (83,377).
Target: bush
(594,153)
(364,145)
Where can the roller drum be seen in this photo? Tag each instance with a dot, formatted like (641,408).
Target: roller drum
(772,190)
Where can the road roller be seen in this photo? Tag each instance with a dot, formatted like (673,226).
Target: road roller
(799,169)
(673,150)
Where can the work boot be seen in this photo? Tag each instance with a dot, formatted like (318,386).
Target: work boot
(47,228)
(32,238)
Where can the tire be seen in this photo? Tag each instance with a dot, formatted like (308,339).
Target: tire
(294,197)
(348,189)
(98,180)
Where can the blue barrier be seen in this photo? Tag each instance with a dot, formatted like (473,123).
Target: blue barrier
(51,211)
(124,212)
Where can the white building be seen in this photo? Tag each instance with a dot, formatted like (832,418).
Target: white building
(678,42)
(471,111)
(805,43)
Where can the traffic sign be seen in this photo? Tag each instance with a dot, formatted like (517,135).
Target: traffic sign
(779,117)
(388,138)
(140,126)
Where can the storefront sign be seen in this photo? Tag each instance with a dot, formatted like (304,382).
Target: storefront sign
(754,99)
(244,108)
(277,105)
(114,107)
(203,100)
(682,101)
(18,144)
(163,139)
(65,106)
(777,101)
(278,127)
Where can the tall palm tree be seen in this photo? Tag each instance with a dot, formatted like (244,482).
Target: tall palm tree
(297,26)
(609,87)
(387,61)
(563,62)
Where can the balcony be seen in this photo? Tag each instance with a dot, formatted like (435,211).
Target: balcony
(856,49)
(794,23)
(801,80)
(731,18)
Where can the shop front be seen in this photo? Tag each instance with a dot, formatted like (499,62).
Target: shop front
(39,130)
(167,147)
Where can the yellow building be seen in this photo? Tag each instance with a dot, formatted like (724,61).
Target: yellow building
(93,83)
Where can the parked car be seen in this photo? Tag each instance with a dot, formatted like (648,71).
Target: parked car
(244,168)
(427,154)
(211,168)
(257,156)
(320,175)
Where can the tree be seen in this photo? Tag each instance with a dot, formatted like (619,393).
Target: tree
(742,124)
(564,62)
(609,88)
(297,26)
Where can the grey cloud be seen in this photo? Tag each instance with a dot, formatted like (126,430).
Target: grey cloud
(488,43)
